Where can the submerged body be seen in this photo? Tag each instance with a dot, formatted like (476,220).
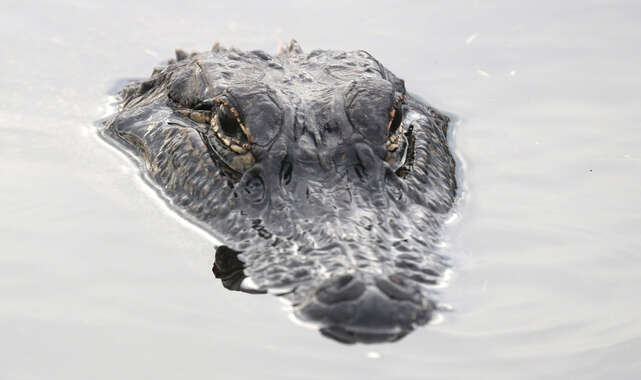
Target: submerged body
(322,177)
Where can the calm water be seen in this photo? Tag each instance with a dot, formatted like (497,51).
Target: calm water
(98,279)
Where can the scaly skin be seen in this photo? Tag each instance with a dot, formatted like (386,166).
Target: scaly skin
(323,178)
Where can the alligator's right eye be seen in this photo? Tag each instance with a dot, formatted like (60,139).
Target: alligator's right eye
(395,139)
(228,140)
(396,119)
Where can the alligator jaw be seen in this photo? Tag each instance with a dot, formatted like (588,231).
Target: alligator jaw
(366,308)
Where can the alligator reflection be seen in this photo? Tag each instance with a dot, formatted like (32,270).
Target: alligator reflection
(318,172)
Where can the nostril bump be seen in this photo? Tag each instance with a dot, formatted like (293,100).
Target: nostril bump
(340,289)
(396,279)
(344,280)
(396,288)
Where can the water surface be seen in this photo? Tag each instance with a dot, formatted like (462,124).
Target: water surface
(100,280)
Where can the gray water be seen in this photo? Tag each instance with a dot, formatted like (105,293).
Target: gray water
(100,280)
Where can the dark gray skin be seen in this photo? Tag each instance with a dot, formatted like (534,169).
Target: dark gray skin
(327,183)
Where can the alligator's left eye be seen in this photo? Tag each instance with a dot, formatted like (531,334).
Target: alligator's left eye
(233,142)
(230,130)
(227,139)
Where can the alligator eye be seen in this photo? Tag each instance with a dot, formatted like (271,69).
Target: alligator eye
(397,142)
(230,130)
(231,148)
(228,122)
(394,130)
(396,119)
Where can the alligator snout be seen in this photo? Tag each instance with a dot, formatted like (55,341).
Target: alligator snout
(368,308)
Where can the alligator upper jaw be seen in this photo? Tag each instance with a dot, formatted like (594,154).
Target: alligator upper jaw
(366,308)
(350,307)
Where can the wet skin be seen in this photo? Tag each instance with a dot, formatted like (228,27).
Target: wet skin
(325,180)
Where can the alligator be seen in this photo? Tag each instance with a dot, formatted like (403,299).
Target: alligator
(325,181)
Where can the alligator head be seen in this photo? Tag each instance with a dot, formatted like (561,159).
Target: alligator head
(325,180)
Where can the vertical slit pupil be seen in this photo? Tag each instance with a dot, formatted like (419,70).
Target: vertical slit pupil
(228,122)
(396,121)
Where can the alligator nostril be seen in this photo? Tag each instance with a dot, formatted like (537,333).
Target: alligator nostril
(396,279)
(339,289)
(343,280)
(396,288)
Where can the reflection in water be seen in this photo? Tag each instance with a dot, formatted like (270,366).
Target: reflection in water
(99,280)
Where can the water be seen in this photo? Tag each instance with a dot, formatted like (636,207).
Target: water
(100,280)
